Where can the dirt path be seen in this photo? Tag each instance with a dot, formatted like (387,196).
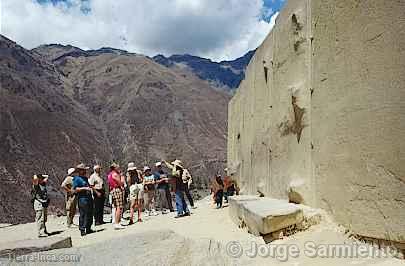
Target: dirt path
(204,229)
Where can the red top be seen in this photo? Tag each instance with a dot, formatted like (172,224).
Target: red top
(112,182)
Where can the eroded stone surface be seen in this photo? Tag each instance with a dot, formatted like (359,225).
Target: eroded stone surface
(323,104)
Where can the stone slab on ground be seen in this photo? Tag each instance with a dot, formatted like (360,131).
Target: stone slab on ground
(5,225)
(263,216)
(26,246)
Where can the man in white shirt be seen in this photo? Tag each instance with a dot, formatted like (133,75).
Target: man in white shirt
(71,199)
(97,183)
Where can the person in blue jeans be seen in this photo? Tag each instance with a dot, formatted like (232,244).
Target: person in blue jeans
(84,199)
(177,173)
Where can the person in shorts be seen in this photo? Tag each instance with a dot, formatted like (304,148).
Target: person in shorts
(150,189)
(71,198)
(134,181)
(117,193)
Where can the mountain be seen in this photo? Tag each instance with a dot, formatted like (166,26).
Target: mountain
(42,129)
(62,105)
(226,75)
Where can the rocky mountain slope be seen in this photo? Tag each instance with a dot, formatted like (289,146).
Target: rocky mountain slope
(42,129)
(62,105)
(226,75)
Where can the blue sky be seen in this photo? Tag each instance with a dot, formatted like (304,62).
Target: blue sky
(220,29)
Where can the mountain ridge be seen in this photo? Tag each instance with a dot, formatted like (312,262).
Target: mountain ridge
(225,75)
(59,109)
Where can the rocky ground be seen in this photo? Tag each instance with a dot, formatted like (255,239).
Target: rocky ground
(207,237)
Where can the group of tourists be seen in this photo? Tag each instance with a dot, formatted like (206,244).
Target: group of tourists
(142,190)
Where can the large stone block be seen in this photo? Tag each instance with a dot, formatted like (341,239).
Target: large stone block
(26,246)
(263,216)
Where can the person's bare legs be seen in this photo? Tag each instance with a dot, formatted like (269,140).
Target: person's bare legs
(134,204)
(139,207)
(117,215)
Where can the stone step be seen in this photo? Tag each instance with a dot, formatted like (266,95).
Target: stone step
(262,215)
(26,246)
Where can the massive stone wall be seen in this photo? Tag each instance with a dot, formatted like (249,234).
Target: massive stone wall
(319,118)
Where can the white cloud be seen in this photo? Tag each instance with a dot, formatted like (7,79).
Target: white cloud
(220,29)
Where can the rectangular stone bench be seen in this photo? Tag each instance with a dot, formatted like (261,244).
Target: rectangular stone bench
(263,216)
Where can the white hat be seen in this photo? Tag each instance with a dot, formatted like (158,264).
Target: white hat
(131,166)
(97,166)
(82,166)
(177,163)
(146,168)
(158,164)
(71,171)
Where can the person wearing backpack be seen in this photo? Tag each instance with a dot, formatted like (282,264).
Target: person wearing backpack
(40,200)
(177,174)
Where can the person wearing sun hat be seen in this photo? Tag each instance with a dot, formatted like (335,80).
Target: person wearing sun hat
(149,194)
(84,199)
(163,200)
(71,199)
(116,190)
(177,173)
(136,191)
(40,201)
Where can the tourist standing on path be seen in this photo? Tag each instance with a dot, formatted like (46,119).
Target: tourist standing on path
(162,182)
(136,191)
(41,202)
(177,173)
(71,199)
(149,186)
(187,180)
(117,193)
(230,187)
(218,188)
(97,183)
(84,198)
